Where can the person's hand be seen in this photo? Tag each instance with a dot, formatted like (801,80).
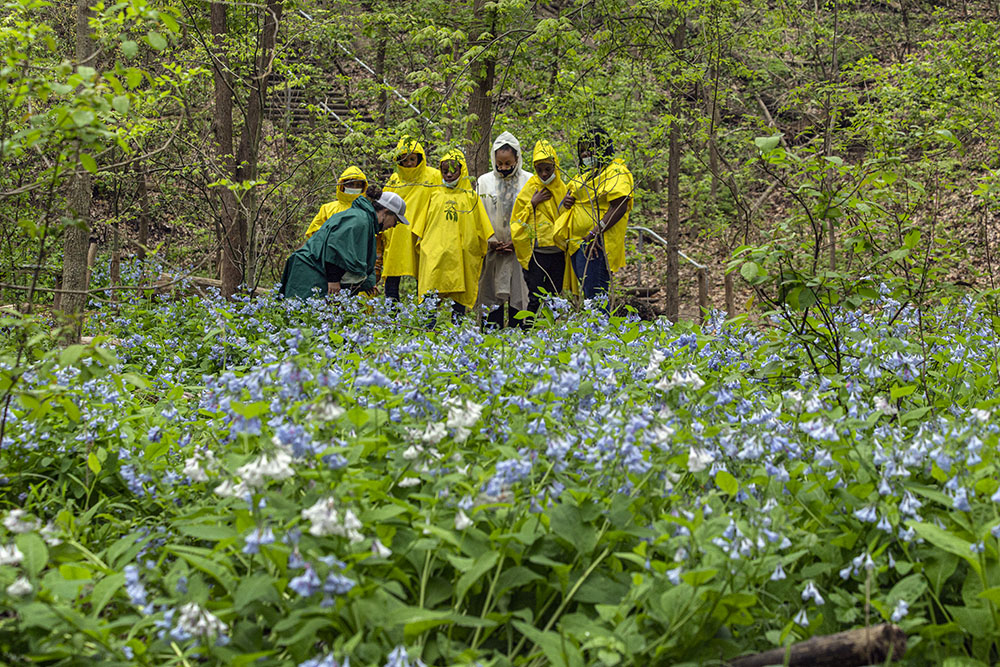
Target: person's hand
(505,247)
(332,288)
(493,243)
(567,201)
(540,196)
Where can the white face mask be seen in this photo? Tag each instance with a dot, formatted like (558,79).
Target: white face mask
(450,184)
(588,162)
(352,191)
(546,181)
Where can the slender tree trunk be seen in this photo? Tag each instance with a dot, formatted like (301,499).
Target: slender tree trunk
(233,243)
(673,195)
(143,210)
(480,102)
(76,238)
(249,146)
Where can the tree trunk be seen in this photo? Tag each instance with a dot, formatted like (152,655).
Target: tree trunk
(480,102)
(249,146)
(76,238)
(673,195)
(143,211)
(231,271)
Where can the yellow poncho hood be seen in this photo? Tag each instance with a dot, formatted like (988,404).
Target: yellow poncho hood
(414,185)
(453,238)
(531,226)
(343,201)
(464,180)
(352,173)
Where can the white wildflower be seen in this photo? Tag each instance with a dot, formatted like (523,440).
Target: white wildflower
(18,521)
(49,533)
(193,469)
(326,520)
(380,550)
(462,521)
(883,405)
(328,412)
(655,359)
(20,588)
(200,622)
(434,433)
(229,489)
(412,452)
(256,473)
(407,482)
(462,415)
(10,555)
(699,459)
(687,379)
(982,415)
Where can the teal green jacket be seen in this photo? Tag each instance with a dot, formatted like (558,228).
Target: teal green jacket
(345,243)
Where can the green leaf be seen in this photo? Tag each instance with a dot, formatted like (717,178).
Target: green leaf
(93,463)
(258,587)
(991,594)
(768,144)
(156,40)
(104,590)
(750,270)
(552,645)
(482,565)
(133,76)
(83,117)
(88,162)
(209,533)
(71,354)
(699,577)
(36,554)
(946,541)
(727,483)
(121,104)
(897,392)
(130,48)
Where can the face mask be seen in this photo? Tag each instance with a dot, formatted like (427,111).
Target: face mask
(546,181)
(588,162)
(352,191)
(506,172)
(449,184)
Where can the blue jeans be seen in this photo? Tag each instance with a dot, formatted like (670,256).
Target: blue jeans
(593,273)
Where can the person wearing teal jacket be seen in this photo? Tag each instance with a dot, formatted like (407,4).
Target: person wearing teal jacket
(342,252)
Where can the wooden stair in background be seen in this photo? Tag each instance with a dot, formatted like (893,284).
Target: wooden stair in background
(290,105)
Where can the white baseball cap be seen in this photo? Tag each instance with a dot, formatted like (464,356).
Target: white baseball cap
(390,201)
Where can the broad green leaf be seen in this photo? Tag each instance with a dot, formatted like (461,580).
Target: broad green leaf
(156,40)
(93,463)
(104,590)
(88,162)
(727,483)
(482,565)
(121,104)
(130,48)
(36,554)
(949,542)
(767,144)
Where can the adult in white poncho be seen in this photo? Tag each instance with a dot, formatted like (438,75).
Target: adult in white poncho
(502,281)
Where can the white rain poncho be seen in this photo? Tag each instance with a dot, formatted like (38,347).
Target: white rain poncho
(502,279)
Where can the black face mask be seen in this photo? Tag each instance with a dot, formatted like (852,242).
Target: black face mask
(506,172)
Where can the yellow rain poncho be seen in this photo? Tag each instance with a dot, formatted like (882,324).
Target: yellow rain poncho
(593,194)
(343,202)
(534,227)
(414,185)
(452,239)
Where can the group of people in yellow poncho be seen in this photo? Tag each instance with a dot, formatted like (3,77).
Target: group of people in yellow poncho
(512,236)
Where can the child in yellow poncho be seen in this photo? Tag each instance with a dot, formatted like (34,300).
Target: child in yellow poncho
(452,237)
(413,180)
(532,226)
(351,184)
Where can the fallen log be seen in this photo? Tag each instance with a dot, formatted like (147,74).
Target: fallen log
(166,281)
(853,648)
